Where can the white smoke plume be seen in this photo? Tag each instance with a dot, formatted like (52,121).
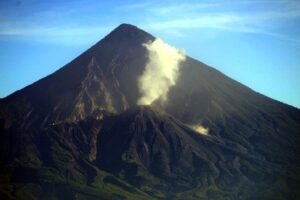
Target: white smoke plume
(200,129)
(161,71)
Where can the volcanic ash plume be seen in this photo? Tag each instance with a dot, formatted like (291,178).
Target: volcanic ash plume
(161,71)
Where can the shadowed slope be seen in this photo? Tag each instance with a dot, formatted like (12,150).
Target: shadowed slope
(79,130)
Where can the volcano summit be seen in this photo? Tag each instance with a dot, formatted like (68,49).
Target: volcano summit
(134,118)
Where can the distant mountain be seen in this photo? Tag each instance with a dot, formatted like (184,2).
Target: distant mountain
(79,134)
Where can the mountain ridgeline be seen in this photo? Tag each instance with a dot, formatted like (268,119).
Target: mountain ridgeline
(79,133)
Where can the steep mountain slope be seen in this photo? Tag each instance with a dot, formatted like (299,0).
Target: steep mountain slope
(148,147)
(78,134)
(234,112)
(103,76)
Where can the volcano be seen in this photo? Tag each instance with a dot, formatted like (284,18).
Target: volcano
(79,133)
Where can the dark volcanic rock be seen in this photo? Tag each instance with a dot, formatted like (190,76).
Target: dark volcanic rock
(78,134)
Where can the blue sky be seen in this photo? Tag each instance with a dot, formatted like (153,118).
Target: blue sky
(256,42)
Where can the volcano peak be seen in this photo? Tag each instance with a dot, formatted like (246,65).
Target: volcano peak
(79,133)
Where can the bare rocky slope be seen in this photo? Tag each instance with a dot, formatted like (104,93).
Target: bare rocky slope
(78,134)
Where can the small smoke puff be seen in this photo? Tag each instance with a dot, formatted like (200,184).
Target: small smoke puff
(200,129)
(161,71)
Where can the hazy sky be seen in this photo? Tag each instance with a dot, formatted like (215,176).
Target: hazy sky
(256,42)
